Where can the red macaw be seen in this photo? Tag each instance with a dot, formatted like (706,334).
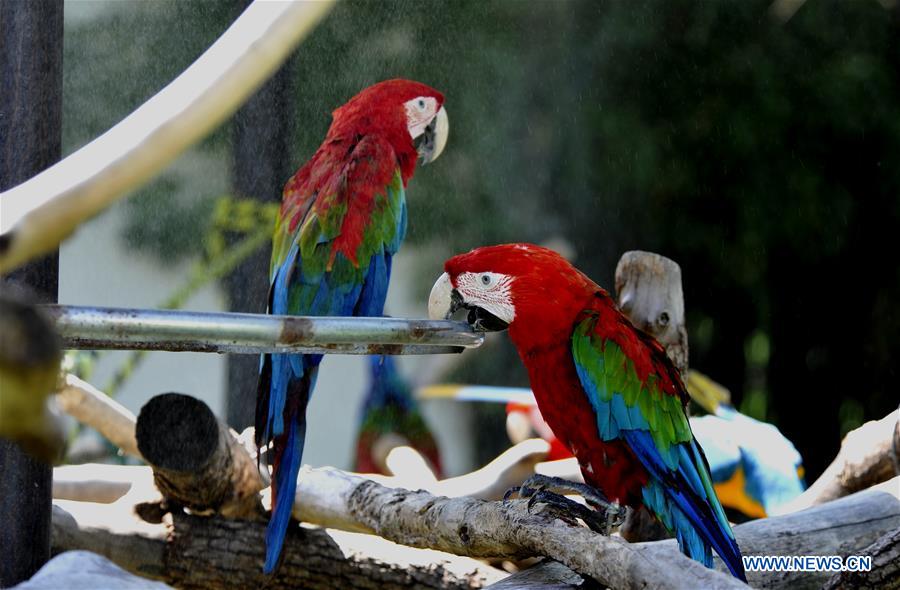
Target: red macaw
(607,389)
(342,219)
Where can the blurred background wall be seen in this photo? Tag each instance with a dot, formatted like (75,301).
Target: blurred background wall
(754,142)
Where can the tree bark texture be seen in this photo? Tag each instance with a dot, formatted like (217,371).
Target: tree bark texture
(197,462)
(649,292)
(213,553)
(885,572)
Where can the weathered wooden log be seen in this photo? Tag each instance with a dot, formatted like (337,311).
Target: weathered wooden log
(885,572)
(546,575)
(336,499)
(648,291)
(197,462)
(869,455)
(462,526)
(205,553)
(467,526)
(844,527)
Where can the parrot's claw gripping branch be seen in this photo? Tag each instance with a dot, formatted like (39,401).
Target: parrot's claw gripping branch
(601,516)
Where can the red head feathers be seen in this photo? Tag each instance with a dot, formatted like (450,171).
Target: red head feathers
(511,282)
(410,115)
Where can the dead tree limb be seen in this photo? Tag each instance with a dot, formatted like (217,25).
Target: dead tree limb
(93,408)
(843,527)
(206,553)
(197,462)
(648,290)
(463,526)
(467,526)
(885,572)
(332,498)
(39,213)
(546,575)
(869,455)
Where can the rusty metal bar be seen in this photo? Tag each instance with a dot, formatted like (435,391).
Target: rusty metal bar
(109,328)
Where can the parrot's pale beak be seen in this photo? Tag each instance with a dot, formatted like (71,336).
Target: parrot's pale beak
(444,300)
(431,143)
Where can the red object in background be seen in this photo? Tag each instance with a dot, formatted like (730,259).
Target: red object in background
(543,430)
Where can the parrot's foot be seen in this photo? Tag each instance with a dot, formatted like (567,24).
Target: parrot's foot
(601,517)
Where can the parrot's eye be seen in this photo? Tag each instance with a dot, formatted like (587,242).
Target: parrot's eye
(422,103)
(663,319)
(485,280)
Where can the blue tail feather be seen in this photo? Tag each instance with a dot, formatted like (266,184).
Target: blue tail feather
(697,519)
(286,488)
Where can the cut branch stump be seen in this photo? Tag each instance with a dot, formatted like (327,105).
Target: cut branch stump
(197,462)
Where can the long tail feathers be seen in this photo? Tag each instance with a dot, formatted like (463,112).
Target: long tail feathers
(686,503)
(698,524)
(284,488)
(286,426)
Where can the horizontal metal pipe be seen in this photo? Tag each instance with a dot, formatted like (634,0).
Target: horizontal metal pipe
(107,328)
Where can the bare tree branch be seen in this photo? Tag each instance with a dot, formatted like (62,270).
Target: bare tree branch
(197,461)
(215,553)
(885,572)
(93,408)
(868,455)
(472,527)
(39,213)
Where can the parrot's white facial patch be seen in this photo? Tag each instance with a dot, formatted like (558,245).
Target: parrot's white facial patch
(489,291)
(419,113)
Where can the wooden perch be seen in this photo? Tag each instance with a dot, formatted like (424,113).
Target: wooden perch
(39,213)
(198,553)
(885,572)
(197,462)
(648,290)
(869,455)
(335,499)
(464,526)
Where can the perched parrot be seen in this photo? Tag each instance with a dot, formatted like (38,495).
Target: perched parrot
(607,390)
(389,410)
(342,219)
